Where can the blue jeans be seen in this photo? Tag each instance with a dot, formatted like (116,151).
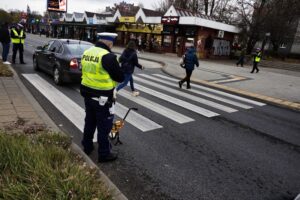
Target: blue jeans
(5,50)
(127,78)
(97,117)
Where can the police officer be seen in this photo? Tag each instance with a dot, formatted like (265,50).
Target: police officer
(100,74)
(257,58)
(17,38)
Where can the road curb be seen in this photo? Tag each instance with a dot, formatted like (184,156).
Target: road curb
(113,189)
(36,106)
(266,99)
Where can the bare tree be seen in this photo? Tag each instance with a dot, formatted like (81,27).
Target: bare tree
(277,17)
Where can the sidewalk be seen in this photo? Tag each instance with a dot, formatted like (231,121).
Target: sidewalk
(19,109)
(273,86)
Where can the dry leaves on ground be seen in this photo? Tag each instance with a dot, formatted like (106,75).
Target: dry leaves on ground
(5,71)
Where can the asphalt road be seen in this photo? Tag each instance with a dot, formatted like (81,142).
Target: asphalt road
(250,154)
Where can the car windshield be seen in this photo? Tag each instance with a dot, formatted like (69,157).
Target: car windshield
(77,49)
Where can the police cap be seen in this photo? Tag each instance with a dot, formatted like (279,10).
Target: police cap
(107,36)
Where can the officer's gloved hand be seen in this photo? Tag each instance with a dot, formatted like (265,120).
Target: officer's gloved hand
(115,94)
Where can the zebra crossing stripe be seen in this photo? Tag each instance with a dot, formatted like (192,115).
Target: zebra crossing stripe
(171,114)
(76,114)
(64,104)
(178,102)
(201,93)
(217,92)
(137,120)
(186,95)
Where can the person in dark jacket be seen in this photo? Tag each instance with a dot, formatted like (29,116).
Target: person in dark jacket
(100,74)
(129,61)
(18,36)
(5,41)
(241,58)
(190,60)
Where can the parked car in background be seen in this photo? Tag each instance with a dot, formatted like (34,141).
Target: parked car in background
(61,58)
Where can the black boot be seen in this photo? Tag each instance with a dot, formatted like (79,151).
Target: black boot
(180,84)
(108,158)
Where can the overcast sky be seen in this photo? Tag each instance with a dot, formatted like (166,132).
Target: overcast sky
(73,5)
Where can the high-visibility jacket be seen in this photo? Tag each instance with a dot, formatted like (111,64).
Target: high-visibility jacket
(257,57)
(19,38)
(93,74)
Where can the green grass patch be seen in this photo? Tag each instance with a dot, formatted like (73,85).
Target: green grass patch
(42,166)
(5,71)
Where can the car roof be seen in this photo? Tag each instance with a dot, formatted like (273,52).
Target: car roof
(71,41)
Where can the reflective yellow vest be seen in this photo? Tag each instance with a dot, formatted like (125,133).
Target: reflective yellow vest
(20,38)
(257,57)
(93,74)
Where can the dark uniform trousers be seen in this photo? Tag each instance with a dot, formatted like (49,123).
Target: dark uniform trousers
(17,47)
(255,67)
(187,77)
(97,116)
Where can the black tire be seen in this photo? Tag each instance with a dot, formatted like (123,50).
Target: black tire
(57,76)
(35,64)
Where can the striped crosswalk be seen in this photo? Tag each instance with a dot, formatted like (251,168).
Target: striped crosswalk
(165,98)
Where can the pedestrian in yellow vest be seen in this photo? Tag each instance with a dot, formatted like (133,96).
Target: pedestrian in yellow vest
(100,74)
(257,58)
(18,36)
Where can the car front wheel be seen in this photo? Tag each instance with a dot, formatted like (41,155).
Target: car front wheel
(58,79)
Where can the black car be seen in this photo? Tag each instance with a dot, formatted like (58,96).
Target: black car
(61,58)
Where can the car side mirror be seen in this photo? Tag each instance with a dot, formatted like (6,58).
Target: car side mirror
(39,48)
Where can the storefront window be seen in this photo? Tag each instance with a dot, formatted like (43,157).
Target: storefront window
(168,30)
(167,41)
(190,31)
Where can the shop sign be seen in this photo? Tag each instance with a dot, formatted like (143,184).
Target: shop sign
(57,5)
(220,34)
(158,29)
(169,20)
(127,19)
(121,28)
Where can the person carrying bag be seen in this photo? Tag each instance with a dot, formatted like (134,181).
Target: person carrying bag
(190,60)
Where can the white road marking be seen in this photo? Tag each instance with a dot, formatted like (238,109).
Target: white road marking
(201,93)
(137,120)
(181,103)
(218,92)
(64,104)
(76,114)
(171,114)
(188,96)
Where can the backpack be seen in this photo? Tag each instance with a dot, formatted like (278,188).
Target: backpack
(126,65)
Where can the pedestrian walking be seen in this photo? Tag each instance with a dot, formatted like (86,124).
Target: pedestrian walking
(129,61)
(190,60)
(5,41)
(241,58)
(256,60)
(100,74)
(140,42)
(18,36)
